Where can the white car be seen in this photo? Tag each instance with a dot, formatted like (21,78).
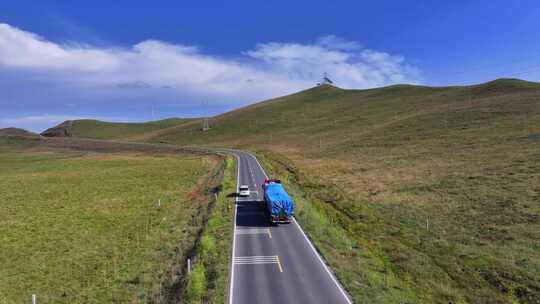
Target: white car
(243,190)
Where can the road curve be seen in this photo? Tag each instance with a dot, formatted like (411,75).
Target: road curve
(274,264)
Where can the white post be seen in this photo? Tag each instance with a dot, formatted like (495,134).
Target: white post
(188,266)
(34,299)
(159,203)
(427,223)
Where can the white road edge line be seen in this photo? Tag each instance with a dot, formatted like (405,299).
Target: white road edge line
(231,285)
(323,263)
(312,247)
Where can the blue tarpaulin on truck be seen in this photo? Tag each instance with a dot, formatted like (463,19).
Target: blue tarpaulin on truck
(279,203)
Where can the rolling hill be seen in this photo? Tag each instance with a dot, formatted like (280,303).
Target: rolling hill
(89,128)
(435,189)
(336,116)
(16,132)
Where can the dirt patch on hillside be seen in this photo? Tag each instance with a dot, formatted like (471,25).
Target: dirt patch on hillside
(61,130)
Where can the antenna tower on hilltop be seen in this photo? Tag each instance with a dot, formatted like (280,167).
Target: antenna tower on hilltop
(325,80)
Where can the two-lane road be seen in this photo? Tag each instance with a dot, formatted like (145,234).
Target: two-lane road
(274,264)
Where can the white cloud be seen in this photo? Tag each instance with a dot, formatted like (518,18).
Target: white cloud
(23,49)
(37,119)
(338,43)
(268,70)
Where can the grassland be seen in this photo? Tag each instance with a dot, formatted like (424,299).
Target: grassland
(435,191)
(209,280)
(86,227)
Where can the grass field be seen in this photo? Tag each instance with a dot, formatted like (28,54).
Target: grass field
(85,227)
(437,188)
(209,280)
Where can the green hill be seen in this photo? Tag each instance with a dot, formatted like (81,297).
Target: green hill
(89,128)
(436,188)
(343,117)
(16,132)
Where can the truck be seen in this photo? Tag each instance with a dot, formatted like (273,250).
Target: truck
(279,205)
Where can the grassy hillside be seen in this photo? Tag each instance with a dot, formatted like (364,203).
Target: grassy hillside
(85,227)
(334,115)
(437,189)
(87,128)
(15,132)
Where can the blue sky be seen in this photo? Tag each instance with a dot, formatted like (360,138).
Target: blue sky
(116,60)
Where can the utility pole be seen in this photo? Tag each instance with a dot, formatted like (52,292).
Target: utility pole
(206,124)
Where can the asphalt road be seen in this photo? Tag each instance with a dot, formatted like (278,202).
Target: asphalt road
(274,264)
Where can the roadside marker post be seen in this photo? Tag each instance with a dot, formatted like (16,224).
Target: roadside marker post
(188,266)
(34,299)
